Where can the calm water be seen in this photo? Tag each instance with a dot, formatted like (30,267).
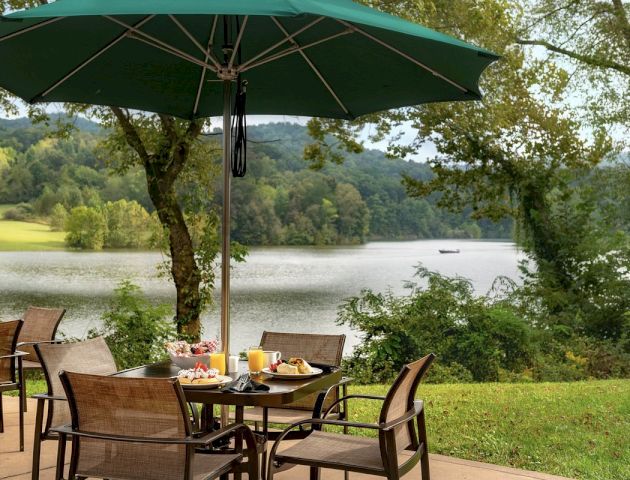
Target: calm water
(279,288)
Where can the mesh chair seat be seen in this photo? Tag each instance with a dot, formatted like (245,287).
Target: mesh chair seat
(205,466)
(335,448)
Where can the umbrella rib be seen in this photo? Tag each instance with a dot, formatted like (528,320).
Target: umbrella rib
(202,78)
(312,65)
(238,42)
(89,60)
(294,49)
(207,53)
(404,55)
(244,66)
(31,28)
(155,42)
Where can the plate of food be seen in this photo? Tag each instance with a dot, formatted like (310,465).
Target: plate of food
(202,377)
(294,369)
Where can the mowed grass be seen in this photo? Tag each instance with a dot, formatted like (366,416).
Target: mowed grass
(15,236)
(579,430)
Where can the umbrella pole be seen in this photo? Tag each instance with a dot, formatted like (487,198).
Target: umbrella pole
(225,245)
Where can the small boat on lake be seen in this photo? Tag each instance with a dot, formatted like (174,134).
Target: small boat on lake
(444,250)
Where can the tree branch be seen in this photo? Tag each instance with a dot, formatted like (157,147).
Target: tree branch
(593,61)
(131,134)
(622,18)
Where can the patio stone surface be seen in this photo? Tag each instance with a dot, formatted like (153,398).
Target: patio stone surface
(16,465)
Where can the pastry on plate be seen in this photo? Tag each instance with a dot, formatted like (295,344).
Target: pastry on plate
(287,369)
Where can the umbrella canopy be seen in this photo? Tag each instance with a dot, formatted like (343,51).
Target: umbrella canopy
(327,58)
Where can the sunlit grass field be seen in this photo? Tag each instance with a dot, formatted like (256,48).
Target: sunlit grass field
(16,236)
(579,430)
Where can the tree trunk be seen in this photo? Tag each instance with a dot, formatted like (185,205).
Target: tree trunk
(183,265)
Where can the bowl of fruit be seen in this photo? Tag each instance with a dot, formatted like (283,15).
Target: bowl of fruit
(186,355)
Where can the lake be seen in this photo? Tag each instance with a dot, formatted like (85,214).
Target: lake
(278,288)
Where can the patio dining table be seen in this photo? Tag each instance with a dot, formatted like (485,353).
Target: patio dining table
(281,392)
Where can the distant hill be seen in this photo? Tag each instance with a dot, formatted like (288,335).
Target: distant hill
(280,201)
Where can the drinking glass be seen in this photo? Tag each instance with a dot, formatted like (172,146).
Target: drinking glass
(217,360)
(255,359)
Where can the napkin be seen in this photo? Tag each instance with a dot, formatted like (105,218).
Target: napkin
(244,384)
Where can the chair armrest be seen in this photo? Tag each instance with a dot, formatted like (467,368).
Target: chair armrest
(348,397)
(21,344)
(45,396)
(202,441)
(418,406)
(321,397)
(15,355)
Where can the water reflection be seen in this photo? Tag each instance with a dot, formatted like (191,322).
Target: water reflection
(278,288)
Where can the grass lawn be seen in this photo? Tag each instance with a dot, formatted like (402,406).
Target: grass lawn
(579,430)
(15,236)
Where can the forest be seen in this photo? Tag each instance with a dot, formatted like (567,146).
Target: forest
(70,183)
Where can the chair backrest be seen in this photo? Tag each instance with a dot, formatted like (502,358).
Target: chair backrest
(318,348)
(399,400)
(137,407)
(89,356)
(9,332)
(40,325)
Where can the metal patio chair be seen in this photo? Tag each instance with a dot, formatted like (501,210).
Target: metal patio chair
(139,428)
(316,348)
(11,372)
(40,326)
(401,441)
(89,356)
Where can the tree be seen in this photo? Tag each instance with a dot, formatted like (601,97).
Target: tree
(58,218)
(592,37)
(86,228)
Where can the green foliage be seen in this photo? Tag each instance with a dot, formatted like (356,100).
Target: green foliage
(58,218)
(474,338)
(134,329)
(127,224)
(280,201)
(21,212)
(86,228)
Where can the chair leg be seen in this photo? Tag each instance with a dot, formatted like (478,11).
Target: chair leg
(315,473)
(61,456)
(22,395)
(37,442)
(424,459)
(1,416)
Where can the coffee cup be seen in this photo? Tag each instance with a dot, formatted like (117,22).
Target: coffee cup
(271,357)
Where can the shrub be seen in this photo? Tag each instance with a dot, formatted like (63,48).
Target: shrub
(474,338)
(21,212)
(134,329)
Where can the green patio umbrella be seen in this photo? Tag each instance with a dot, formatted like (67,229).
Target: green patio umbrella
(325,58)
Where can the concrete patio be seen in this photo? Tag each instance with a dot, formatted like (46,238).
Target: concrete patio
(16,465)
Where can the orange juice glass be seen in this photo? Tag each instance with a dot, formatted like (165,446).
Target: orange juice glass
(217,360)
(255,359)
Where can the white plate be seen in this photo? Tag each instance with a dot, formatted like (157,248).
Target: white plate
(291,376)
(223,380)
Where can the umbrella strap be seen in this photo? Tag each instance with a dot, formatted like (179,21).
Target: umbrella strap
(239,131)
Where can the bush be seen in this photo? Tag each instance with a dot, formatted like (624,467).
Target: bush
(134,329)
(21,212)
(473,338)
